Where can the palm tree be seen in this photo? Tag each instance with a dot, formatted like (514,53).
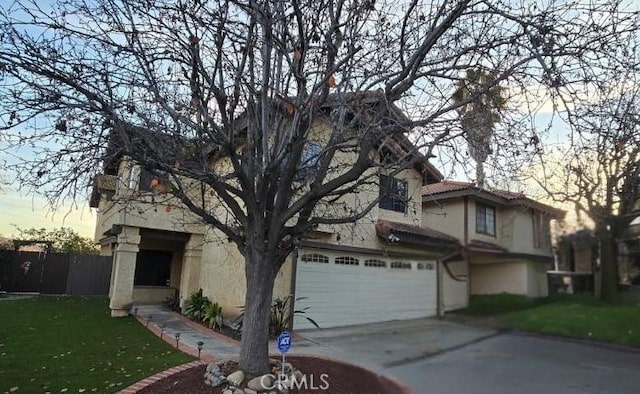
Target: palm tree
(481,100)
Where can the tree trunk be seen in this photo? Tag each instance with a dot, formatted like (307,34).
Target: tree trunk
(254,346)
(608,266)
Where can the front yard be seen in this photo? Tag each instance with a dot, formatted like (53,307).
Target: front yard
(72,345)
(568,316)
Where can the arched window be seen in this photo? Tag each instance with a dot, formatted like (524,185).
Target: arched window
(315,258)
(375,263)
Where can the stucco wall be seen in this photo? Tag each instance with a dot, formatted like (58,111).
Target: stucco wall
(446,216)
(514,224)
(142,209)
(499,278)
(222,276)
(151,294)
(515,277)
(455,292)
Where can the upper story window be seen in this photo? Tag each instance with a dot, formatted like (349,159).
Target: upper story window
(309,160)
(144,180)
(541,230)
(394,194)
(485,219)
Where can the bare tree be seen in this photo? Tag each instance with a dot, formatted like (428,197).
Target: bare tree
(600,164)
(176,84)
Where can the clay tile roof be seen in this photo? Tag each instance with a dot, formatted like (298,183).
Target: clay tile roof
(385,227)
(446,186)
(441,190)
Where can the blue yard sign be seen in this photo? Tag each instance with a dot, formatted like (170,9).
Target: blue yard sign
(284,342)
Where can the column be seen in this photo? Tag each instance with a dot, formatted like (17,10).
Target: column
(190,276)
(124,268)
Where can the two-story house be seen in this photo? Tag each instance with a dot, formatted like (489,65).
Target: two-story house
(505,237)
(383,267)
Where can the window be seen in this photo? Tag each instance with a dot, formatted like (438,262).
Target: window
(375,263)
(485,220)
(401,265)
(541,230)
(315,258)
(427,266)
(346,260)
(153,268)
(394,194)
(144,180)
(308,165)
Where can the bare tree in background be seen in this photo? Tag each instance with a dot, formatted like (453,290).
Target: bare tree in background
(176,84)
(600,168)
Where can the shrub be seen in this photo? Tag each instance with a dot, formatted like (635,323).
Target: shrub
(195,305)
(212,315)
(278,318)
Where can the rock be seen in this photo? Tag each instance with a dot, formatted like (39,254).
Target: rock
(261,383)
(207,382)
(227,391)
(287,367)
(217,381)
(273,362)
(236,378)
(213,368)
(238,391)
(249,391)
(298,375)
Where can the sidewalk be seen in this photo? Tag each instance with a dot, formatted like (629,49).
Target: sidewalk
(219,347)
(167,324)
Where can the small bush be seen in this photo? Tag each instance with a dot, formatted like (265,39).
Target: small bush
(212,316)
(195,305)
(279,317)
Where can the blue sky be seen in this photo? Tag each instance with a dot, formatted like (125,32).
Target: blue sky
(17,209)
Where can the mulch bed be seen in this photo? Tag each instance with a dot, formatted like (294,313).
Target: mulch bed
(341,378)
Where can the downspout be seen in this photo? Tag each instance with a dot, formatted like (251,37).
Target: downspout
(465,251)
(439,308)
(292,287)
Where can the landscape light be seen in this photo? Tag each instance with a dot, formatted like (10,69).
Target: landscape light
(200,345)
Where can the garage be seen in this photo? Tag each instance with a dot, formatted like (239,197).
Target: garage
(341,289)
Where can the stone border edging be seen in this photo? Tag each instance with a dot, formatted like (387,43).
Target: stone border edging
(148,381)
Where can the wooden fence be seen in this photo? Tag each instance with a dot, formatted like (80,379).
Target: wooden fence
(54,273)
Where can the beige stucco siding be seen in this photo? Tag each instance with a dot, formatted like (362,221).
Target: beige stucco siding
(515,277)
(499,278)
(151,294)
(455,293)
(222,275)
(446,216)
(514,224)
(143,209)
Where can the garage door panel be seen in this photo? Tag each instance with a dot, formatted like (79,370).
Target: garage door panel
(339,295)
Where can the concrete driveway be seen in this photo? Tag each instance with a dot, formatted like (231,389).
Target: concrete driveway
(434,356)
(383,345)
(517,363)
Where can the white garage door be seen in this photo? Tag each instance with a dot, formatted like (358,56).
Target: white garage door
(343,289)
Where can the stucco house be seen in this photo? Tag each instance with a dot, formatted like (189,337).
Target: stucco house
(383,267)
(397,262)
(505,238)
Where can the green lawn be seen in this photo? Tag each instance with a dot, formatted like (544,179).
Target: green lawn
(494,304)
(581,319)
(72,345)
(570,316)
